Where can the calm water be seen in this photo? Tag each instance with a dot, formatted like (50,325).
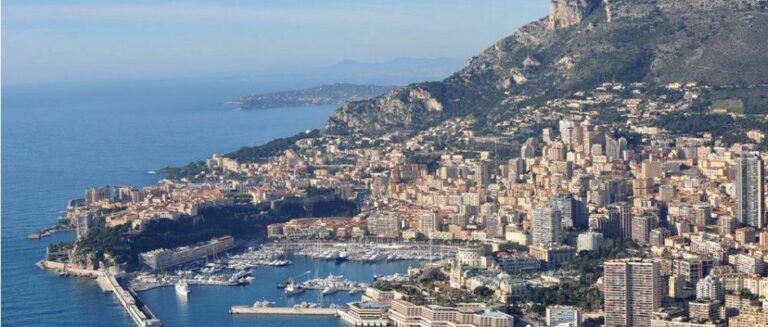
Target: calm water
(209,305)
(58,140)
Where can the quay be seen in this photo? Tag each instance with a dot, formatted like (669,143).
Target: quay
(139,312)
(242,309)
(47,232)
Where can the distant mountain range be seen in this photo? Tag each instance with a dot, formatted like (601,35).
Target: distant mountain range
(331,94)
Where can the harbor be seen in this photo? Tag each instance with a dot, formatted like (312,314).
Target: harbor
(237,268)
(294,279)
(219,302)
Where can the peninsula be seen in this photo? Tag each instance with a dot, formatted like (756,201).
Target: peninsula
(330,94)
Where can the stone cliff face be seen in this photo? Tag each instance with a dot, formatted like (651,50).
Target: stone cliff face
(566,13)
(405,108)
(716,42)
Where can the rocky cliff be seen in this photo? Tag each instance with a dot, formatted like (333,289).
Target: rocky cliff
(581,44)
(566,13)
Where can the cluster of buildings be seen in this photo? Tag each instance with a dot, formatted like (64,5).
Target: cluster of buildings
(127,205)
(569,182)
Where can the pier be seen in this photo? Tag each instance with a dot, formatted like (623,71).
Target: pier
(242,309)
(139,312)
(48,232)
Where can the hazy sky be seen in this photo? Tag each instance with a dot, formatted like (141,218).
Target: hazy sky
(61,41)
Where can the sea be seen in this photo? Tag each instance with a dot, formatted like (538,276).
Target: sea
(59,139)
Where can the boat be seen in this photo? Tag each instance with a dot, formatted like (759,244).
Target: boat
(182,288)
(329,290)
(263,304)
(292,289)
(356,290)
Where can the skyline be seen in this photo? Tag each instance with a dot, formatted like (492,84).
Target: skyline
(50,42)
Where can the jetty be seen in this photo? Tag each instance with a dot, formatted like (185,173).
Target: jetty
(243,309)
(48,232)
(139,312)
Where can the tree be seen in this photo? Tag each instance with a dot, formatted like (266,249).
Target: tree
(483,291)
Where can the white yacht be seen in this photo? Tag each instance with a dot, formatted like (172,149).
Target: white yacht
(292,289)
(330,290)
(182,288)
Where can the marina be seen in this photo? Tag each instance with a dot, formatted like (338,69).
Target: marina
(299,292)
(221,301)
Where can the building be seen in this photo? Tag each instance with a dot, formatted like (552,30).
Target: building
(708,310)
(482,174)
(750,190)
(552,254)
(589,241)
(624,212)
(710,288)
(633,290)
(162,259)
(746,264)
(371,314)
(546,225)
(641,228)
(572,211)
(514,264)
(657,236)
(385,225)
(750,318)
(561,315)
(471,256)
(405,314)
(428,222)
(96,194)
(692,268)
(745,235)
(660,320)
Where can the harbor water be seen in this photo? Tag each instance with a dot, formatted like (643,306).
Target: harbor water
(58,140)
(209,305)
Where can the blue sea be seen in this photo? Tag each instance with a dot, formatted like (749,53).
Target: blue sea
(59,139)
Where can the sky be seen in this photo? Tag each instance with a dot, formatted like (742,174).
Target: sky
(51,41)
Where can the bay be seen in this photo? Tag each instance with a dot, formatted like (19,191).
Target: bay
(59,139)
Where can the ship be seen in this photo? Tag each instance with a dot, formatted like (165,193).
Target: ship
(292,289)
(182,288)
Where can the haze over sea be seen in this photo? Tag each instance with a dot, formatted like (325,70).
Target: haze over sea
(58,140)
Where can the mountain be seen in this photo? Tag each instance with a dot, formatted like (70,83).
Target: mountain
(581,44)
(331,94)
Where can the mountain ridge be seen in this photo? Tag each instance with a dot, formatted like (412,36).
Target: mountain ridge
(581,44)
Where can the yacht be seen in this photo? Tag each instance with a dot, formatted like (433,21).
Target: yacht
(292,289)
(329,290)
(356,290)
(182,288)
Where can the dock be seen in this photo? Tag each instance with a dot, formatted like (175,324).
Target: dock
(48,232)
(242,309)
(139,312)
